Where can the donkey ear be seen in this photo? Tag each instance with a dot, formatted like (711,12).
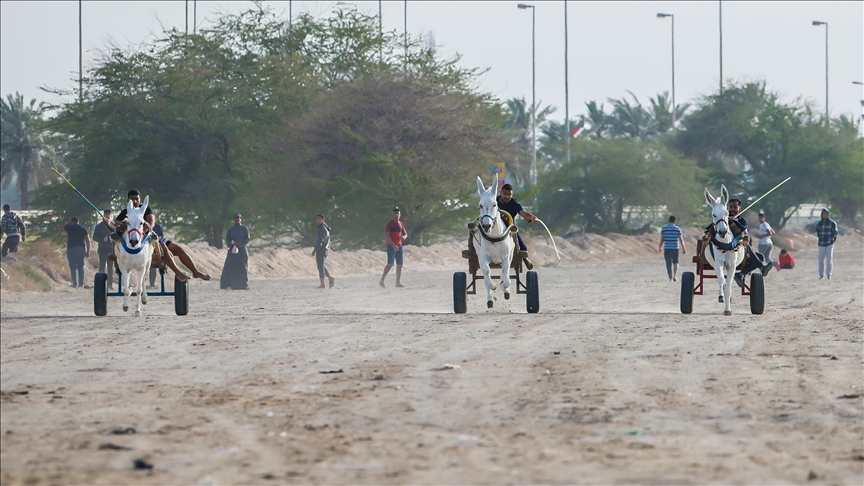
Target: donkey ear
(129,207)
(494,188)
(480,188)
(709,199)
(724,194)
(145,204)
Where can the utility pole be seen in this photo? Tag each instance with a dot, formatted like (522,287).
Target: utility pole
(80,58)
(566,90)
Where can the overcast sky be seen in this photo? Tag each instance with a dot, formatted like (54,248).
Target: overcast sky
(613,46)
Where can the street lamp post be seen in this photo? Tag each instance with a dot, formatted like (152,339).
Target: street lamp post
(533,174)
(80,57)
(817,23)
(660,16)
(566,90)
(721,45)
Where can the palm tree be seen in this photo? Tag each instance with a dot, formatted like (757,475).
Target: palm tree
(23,153)
(518,123)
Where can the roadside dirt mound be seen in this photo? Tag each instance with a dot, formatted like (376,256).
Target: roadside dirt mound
(41,266)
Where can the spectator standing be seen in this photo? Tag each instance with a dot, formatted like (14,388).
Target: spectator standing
(322,246)
(765,234)
(784,261)
(670,240)
(395,231)
(105,246)
(826,232)
(14,228)
(77,250)
(235,272)
(157,228)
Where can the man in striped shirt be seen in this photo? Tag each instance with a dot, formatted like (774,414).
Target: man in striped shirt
(670,239)
(826,232)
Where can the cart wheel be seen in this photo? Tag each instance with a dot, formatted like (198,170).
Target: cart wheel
(757,293)
(460,293)
(100,294)
(533,298)
(181,297)
(688,282)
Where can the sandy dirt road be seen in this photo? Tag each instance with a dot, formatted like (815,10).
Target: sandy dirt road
(609,384)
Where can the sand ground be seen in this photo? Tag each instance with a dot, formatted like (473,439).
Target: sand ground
(285,383)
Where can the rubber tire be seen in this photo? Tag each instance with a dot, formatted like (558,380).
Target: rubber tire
(757,293)
(460,292)
(532,300)
(688,283)
(181,297)
(100,294)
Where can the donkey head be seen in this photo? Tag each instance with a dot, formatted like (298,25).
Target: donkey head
(137,228)
(488,204)
(719,213)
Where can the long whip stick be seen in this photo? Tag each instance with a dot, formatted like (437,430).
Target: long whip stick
(98,212)
(763,195)
(551,238)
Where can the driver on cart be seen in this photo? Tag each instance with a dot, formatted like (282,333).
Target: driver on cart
(754,260)
(168,247)
(506,202)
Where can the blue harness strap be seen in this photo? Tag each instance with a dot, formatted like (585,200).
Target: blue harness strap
(137,250)
(736,239)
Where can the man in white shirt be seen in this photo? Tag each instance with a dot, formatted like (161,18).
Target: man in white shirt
(765,233)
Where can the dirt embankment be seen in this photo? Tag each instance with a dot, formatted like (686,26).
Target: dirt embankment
(41,266)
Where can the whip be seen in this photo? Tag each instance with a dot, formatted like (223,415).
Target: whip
(553,239)
(763,195)
(98,212)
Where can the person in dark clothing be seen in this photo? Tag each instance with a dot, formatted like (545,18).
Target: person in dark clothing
(506,202)
(755,260)
(826,233)
(168,247)
(14,228)
(157,229)
(105,246)
(235,272)
(322,245)
(77,249)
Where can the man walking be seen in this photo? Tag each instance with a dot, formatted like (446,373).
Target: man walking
(765,234)
(77,249)
(12,225)
(322,245)
(105,246)
(826,232)
(235,272)
(395,231)
(670,239)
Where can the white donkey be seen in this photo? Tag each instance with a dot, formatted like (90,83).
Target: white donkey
(724,250)
(494,242)
(134,254)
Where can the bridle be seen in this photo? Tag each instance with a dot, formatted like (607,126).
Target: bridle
(144,232)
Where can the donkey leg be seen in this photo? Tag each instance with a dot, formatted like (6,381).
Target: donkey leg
(721,279)
(126,292)
(487,278)
(727,290)
(505,277)
(139,286)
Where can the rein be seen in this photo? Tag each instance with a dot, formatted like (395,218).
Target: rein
(494,239)
(145,236)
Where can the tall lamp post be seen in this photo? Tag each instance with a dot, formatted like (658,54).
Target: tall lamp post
(661,16)
(533,175)
(566,90)
(721,45)
(817,23)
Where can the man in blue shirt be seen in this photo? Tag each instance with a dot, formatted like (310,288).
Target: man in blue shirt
(105,246)
(826,232)
(506,202)
(670,239)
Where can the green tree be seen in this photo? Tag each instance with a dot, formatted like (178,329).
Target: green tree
(389,140)
(25,155)
(749,139)
(518,127)
(604,177)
